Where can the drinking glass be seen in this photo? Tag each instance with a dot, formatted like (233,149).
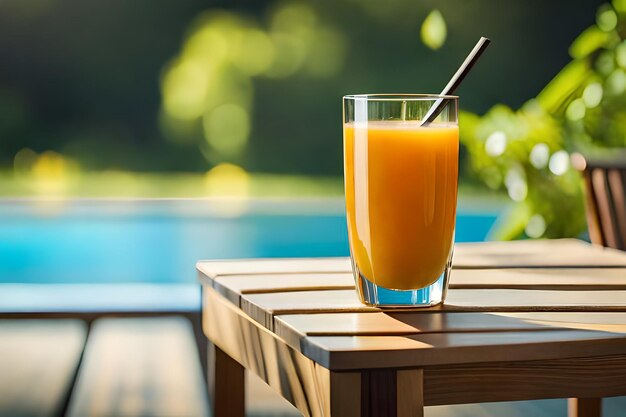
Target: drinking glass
(401,194)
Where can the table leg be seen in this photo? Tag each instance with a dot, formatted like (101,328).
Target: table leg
(584,407)
(342,393)
(410,393)
(390,393)
(226,382)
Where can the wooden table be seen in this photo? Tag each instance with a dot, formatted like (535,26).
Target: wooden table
(522,321)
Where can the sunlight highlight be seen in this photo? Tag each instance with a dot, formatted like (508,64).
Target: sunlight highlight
(227,180)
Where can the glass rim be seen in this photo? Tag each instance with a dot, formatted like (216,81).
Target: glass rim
(399,97)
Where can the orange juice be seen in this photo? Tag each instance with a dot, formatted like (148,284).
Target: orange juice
(401,190)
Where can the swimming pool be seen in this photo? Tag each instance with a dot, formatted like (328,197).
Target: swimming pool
(159,241)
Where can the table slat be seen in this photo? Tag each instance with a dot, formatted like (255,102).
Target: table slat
(233,286)
(262,307)
(541,253)
(555,253)
(213,269)
(534,300)
(353,352)
(293,328)
(609,322)
(576,279)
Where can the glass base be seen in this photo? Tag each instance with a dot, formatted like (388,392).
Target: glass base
(373,295)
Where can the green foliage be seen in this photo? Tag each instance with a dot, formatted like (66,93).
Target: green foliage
(588,41)
(526,152)
(208,89)
(559,91)
(434,31)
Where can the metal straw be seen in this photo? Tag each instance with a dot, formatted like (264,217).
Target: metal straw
(456,80)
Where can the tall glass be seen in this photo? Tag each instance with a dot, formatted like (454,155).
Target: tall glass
(401,190)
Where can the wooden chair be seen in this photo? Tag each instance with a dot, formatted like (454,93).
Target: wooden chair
(38,361)
(605,199)
(139,367)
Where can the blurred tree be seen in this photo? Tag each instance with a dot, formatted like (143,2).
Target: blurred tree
(302,56)
(526,152)
(208,90)
(84,79)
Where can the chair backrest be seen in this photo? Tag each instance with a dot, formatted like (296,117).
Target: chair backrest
(605,199)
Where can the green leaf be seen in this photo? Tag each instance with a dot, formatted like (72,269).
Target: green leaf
(434,31)
(589,41)
(620,54)
(606,18)
(620,6)
(556,95)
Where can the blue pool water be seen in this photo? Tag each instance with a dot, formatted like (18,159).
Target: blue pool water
(160,242)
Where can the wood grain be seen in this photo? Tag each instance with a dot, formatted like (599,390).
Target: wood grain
(254,284)
(591,211)
(457,367)
(38,361)
(263,307)
(233,286)
(410,395)
(140,367)
(512,381)
(606,214)
(225,323)
(298,379)
(569,279)
(361,352)
(553,311)
(378,393)
(294,328)
(617,185)
(213,269)
(341,392)
(584,407)
(534,300)
(607,322)
(555,253)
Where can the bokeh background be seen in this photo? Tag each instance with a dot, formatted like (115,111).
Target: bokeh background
(242,98)
(140,136)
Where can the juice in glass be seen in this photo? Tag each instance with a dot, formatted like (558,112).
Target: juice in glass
(401,195)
